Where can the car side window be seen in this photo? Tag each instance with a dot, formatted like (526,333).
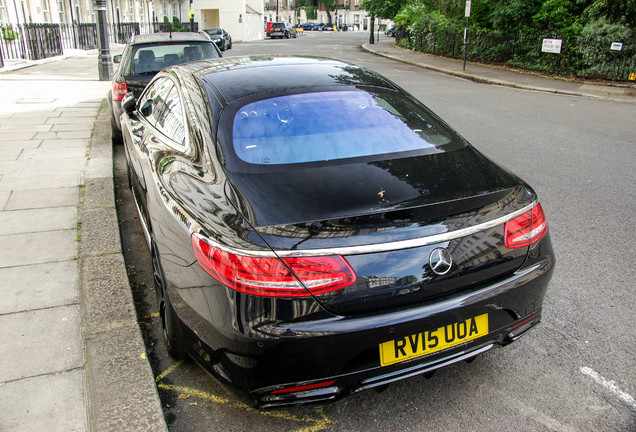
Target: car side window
(170,120)
(153,102)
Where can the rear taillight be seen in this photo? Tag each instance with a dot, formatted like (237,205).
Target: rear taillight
(271,277)
(119,91)
(526,229)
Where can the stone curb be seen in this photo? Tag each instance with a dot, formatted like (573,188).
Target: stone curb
(477,78)
(121,390)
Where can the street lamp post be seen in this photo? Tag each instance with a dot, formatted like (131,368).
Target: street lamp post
(191,11)
(105,67)
(466,30)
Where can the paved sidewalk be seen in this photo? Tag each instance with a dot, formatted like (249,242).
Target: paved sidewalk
(72,354)
(500,75)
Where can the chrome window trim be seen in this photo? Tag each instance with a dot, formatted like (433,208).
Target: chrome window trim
(375,248)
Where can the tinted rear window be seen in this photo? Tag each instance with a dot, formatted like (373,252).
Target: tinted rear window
(152,58)
(324,126)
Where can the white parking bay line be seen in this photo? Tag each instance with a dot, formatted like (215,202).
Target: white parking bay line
(610,385)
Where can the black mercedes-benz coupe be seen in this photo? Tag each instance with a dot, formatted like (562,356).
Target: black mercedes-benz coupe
(325,233)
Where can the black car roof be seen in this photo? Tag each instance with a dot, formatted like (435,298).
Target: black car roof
(164,37)
(237,77)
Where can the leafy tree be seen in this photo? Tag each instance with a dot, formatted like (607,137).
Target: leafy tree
(329,5)
(384,8)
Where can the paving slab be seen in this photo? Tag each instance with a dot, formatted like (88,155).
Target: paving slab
(4,199)
(17,136)
(79,112)
(38,220)
(56,143)
(38,248)
(42,198)
(39,286)
(29,181)
(49,154)
(44,166)
(12,167)
(10,154)
(39,342)
(29,405)
(71,127)
(35,115)
(69,120)
(30,127)
(19,144)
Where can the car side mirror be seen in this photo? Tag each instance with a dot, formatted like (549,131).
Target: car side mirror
(128,103)
(146,109)
(117,58)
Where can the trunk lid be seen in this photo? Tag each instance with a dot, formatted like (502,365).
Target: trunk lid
(367,211)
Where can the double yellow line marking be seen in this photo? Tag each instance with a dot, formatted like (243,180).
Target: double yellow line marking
(320,423)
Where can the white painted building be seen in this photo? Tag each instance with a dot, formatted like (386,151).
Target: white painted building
(242,19)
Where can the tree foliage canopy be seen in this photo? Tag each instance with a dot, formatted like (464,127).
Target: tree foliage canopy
(561,16)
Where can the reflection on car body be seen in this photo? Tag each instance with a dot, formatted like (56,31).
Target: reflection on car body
(327,233)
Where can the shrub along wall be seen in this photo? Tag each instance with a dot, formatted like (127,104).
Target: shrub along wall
(587,55)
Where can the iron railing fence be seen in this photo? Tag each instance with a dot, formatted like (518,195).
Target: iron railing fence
(31,41)
(579,57)
(38,41)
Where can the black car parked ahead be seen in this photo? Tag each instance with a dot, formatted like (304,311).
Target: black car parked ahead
(325,233)
(144,56)
(221,38)
(282,30)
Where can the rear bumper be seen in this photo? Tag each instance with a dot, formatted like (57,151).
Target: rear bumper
(279,363)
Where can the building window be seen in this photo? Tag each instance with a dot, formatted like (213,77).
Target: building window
(62,11)
(357,3)
(141,13)
(175,10)
(45,11)
(4,19)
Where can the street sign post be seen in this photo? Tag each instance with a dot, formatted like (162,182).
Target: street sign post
(466,31)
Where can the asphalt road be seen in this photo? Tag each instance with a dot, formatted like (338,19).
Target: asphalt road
(575,372)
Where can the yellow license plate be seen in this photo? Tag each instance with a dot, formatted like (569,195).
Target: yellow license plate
(428,342)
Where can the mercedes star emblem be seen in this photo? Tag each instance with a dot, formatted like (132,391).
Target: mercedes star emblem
(441,261)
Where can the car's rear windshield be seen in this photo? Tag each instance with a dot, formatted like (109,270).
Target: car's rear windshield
(327,126)
(147,59)
(278,25)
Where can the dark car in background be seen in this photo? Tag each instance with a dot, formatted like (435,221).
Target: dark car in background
(221,38)
(327,233)
(282,30)
(144,56)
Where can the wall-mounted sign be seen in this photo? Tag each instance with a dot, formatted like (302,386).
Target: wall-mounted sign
(552,46)
(616,46)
